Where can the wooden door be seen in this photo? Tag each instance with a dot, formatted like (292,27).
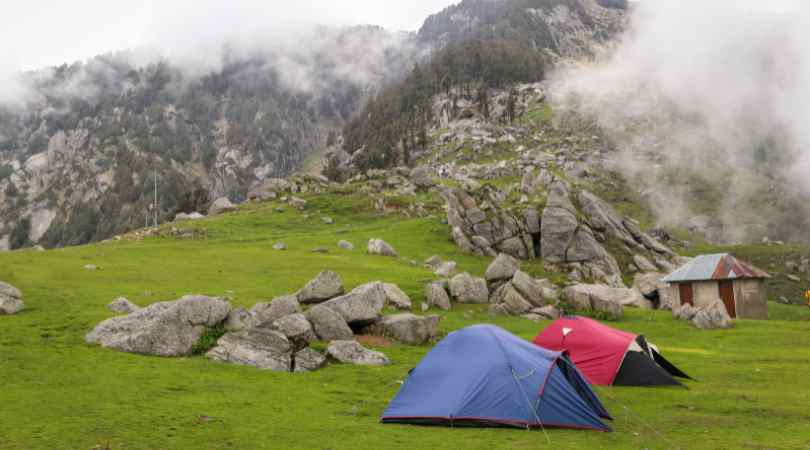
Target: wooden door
(727,295)
(687,296)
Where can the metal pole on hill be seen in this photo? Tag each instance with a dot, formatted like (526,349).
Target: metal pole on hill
(156,200)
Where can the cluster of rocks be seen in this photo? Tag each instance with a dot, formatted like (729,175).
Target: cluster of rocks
(10,299)
(514,292)
(570,239)
(275,335)
(709,317)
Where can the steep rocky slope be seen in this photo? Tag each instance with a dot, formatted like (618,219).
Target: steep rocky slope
(78,153)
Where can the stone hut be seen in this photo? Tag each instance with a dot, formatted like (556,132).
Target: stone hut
(706,278)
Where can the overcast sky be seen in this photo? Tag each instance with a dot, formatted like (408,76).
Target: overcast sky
(37,33)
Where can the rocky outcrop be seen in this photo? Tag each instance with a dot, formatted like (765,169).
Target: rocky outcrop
(407,328)
(162,329)
(325,286)
(381,248)
(653,289)
(571,234)
(10,299)
(122,305)
(255,347)
(351,352)
(465,288)
(362,306)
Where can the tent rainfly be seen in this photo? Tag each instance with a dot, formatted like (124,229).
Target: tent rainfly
(706,278)
(607,356)
(483,376)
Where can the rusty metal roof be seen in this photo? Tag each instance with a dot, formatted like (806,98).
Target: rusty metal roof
(715,267)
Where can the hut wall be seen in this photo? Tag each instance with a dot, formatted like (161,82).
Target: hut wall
(752,299)
(705,293)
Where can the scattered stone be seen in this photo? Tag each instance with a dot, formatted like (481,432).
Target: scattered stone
(162,329)
(382,248)
(407,328)
(328,220)
(309,360)
(123,306)
(436,295)
(265,314)
(503,268)
(713,316)
(346,245)
(279,246)
(221,206)
(794,278)
(328,324)
(256,347)
(298,203)
(361,306)
(425,307)
(90,267)
(322,250)
(467,289)
(10,299)
(327,285)
(433,262)
(351,352)
(446,269)
(396,297)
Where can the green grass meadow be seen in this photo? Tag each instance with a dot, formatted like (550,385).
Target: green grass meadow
(56,392)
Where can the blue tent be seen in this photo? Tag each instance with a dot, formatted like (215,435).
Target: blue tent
(486,376)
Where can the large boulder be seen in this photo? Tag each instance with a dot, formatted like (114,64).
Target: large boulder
(503,268)
(309,360)
(423,177)
(265,314)
(162,329)
(599,298)
(221,205)
(512,300)
(257,347)
(467,289)
(328,324)
(122,305)
(381,248)
(351,352)
(713,316)
(361,306)
(395,297)
(10,299)
(436,295)
(297,329)
(407,328)
(327,285)
(532,290)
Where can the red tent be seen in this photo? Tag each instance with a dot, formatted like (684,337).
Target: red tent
(607,356)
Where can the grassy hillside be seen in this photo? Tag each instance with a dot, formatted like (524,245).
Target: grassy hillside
(57,392)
